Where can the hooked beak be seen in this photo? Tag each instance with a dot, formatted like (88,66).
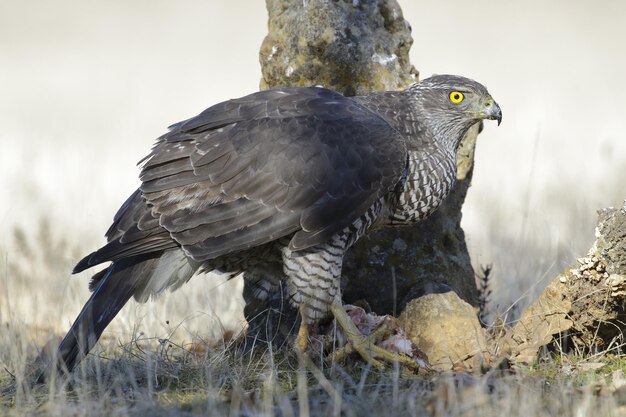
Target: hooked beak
(493,112)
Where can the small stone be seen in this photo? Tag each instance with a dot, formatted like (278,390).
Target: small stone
(447,330)
(563,279)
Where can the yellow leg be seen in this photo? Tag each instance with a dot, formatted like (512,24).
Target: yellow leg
(365,346)
(302,340)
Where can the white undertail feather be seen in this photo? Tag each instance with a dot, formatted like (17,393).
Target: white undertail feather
(173,269)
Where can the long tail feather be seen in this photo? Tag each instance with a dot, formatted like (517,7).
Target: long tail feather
(120,282)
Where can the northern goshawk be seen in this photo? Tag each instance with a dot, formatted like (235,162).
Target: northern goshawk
(278,185)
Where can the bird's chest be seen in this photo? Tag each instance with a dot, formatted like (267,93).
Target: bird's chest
(429,179)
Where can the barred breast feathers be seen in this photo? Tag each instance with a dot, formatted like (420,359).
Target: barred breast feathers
(430,177)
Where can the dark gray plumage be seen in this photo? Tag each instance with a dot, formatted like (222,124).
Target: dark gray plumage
(278,185)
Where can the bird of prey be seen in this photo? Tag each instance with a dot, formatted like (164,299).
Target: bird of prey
(277,185)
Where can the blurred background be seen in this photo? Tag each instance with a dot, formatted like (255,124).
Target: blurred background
(86,87)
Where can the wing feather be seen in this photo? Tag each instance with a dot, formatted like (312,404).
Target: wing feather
(305,162)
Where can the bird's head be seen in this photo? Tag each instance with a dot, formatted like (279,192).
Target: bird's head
(449,105)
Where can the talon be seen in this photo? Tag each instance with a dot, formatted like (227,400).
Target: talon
(366,346)
(302,340)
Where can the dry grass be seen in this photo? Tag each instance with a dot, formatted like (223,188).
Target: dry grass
(170,380)
(134,373)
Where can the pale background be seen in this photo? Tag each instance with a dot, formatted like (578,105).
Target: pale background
(85,88)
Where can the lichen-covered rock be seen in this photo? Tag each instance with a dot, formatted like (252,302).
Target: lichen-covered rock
(540,322)
(582,309)
(447,330)
(356,47)
(597,289)
(610,246)
(353,47)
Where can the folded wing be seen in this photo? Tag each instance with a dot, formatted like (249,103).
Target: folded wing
(245,172)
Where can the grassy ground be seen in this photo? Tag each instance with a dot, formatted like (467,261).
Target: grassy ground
(169,380)
(166,366)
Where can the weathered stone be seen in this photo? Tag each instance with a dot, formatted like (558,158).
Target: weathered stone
(447,330)
(546,317)
(584,308)
(357,47)
(353,47)
(610,246)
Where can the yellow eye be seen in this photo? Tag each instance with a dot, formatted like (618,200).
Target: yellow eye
(456,97)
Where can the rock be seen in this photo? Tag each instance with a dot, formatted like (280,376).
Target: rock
(356,47)
(353,47)
(584,308)
(546,317)
(610,246)
(447,330)
(597,289)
